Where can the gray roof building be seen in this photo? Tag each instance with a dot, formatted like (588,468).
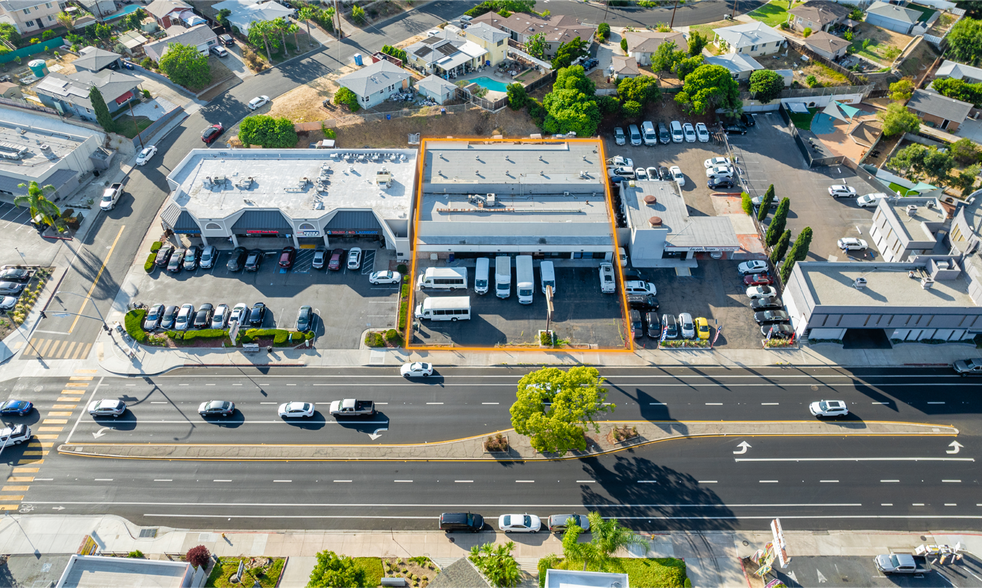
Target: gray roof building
(374,78)
(486,32)
(93,59)
(959,71)
(820,12)
(892,17)
(826,45)
(84,571)
(74,88)
(200,36)
(934,104)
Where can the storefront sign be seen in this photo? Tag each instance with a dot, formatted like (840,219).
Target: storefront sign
(263,232)
(368,232)
(309,234)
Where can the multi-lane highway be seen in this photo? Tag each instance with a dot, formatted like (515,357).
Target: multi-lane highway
(819,483)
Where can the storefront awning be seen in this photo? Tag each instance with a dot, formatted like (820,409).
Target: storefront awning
(125,97)
(269,222)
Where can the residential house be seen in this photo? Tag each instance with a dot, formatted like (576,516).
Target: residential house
(959,71)
(624,67)
(641,45)
(132,40)
(167,12)
(29,16)
(818,15)
(376,82)
(826,45)
(200,36)
(740,66)
(521,26)
(492,40)
(94,59)
(436,88)
(100,9)
(939,111)
(246,12)
(892,17)
(10,90)
(446,54)
(69,94)
(753,38)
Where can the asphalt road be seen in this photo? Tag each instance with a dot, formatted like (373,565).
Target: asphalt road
(814,483)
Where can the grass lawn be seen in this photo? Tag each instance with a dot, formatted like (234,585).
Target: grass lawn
(370,570)
(229,565)
(926,12)
(901,190)
(803,121)
(773,13)
(129,126)
(656,572)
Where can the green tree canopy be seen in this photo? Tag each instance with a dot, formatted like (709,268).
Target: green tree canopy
(631,109)
(897,119)
(335,571)
(268,132)
(574,397)
(965,41)
(686,66)
(778,222)
(38,204)
(709,87)
(799,251)
(185,66)
(497,563)
(607,536)
(925,161)
(958,89)
(102,115)
(536,45)
(603,31)
(348,98)
(642,89)
(517,96)
(766,85)
(965,180)
(568,52)
(965,151)
(666,56)
(697,41)
(574,78)
(570,111)
(902,89)
(222,17)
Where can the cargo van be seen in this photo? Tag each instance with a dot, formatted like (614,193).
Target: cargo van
(548,276)
(648,130)
(635,135)
(525,281)
(677,135)
(443,278)
(481,275)
(609,257)
(502,276)
(664,137)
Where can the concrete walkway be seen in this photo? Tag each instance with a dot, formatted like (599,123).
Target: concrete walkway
(520,449)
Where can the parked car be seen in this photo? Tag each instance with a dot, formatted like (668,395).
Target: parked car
(687,326)
(759,200)
(163,256)
(641,174)
(870,200)
(636,322)
(689,132)
(219,320)
(258,101)
(771,317)
(146,155)
(170,316)
(735,129)
(15,435)
(202,318)
(416,369)
(677,175)
(620,161)
(622,172)
(335,263)
(176,260)
(208,256)
(239,314)
(670,325)
(8,303)
(642,302)
(385,277)
(702,328)
(237,259)
(296,410)
(702,133)
(15,275)
(191,257)
(716,161)
(253,260)
(559,523)
(654,325)
(227,40)
(219,50)
(110,407)
(779,331)
(828,408)
(354,258)
(519,523)
(720,171)
(968,367)
(840,191)
(305,319)
(184,317)
(221,408)
(758,280)
(664,174)
(287,256)
(619,137)
(16,407)
(761,304)
(211,133)
(747,119)
(152,320)
(257,315)
(11,288)
(754,292)
(653,174)
(320,258)
(718,183)
(852,244)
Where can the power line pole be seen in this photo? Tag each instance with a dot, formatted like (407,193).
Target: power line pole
(672,24)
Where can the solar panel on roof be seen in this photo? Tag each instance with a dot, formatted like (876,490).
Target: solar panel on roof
(447,49)
(423,51)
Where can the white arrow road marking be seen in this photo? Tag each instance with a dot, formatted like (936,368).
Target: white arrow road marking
(376,434)
(101,432)
(744,446)
(955,447)
(821,578)
(792,576)
(57,508)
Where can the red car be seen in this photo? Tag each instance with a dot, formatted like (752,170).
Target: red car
(758,280)
(335,263)
(211,133)
(287,256)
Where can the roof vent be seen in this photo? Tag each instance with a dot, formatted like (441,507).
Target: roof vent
(927,283)
(859,283)
(911,209)
(654,221)
(650,200)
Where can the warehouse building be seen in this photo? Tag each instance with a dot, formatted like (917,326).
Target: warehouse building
(294,197)
(547,198)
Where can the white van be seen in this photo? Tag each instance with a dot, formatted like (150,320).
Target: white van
(648,130)
(445,308)
(548,276)
(502,276)
(481,275)
(639,287)
(443,278)
(609,257)
(525,278)
(635,134)
(677,135)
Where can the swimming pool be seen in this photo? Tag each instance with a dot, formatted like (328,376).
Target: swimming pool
(128,10)
(490,84)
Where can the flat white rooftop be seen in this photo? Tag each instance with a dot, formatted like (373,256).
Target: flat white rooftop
(119,572)
(670,209)
(511,209)
(912,223)
(214,184)
(22,136)
(887,284)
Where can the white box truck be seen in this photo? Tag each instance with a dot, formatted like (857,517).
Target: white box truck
(607,280)
(482,275)
(524,278)
(502,276)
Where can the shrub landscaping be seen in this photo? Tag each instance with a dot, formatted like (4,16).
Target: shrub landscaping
(662,572)
(265,571)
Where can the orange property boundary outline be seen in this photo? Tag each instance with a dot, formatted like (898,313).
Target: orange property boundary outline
(629,346)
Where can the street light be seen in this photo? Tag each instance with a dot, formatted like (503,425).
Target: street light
(105,326)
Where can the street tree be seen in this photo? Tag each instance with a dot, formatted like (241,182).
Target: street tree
(799,251)
(901,90)
(38,204)
(897,119)
(198,556)
(778,222)
(569,52)
(517,96)
(102,115)
(574,551)
(608,536)
(335,571)
(305,15)
(766,85)
(185,66)
(268,132)
(697,41)
(536,46)
(497,563)
(554,407)
(765,203)
(709,87)
(260,33)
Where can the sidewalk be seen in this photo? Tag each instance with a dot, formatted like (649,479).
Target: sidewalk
(711,557)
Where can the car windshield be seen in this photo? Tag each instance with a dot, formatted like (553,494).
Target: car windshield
(527,520)
(823,405)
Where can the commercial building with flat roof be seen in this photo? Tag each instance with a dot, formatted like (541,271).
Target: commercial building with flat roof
(547,198)
(930,297)
(294,196)
(660,232)
(93,571)
(906,227)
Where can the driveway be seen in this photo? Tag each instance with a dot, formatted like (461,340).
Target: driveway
(971,129)
(237,64)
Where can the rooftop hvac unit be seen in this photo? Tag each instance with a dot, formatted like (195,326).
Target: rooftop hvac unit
(45,147)
(911,209)
(859,283)
(491,200)
(566,194)
(927,283)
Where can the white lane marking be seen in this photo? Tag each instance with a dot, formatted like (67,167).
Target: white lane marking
(950,504)
(184,384)
(657,404)
(854,459)
(463,481)
(342,481)
(91,396)
(247,422)
(221,480)
(707,481)
(131,385)
(434,403)
(918,504)
(586,481)
(525,481)
(886,504)
(159,402)
(236,384)
(282,481)
(494,403)
(403,481)
(103,480)
(889,481)
(52,480)
(768,481)
(377,403)
(163,480)
(936,402)
(714,404)
(829,481)
(770,403)
(952,481)
(210,384)
(291,384)
(881,403)
(267,403)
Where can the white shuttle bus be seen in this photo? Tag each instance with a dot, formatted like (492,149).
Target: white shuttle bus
(443,278)
(445,308)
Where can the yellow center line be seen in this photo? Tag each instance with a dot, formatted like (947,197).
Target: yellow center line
(95,282)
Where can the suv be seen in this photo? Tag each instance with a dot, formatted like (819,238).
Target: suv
(664,137)
(654,325)
(642,302)
(227,40)
(237,259)
(841,191)
(619,136)
(735,128)
(461,521)
(671,326)
(219,50)
(253,260)
(637,325)
(559,523)
(191,257)
(211,133)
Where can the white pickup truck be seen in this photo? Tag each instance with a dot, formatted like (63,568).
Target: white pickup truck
(901,563)
(349,407)
(111,196)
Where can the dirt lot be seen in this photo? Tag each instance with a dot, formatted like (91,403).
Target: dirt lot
(884,47)
(791,59)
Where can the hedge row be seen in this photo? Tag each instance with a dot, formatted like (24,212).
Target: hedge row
(133,322)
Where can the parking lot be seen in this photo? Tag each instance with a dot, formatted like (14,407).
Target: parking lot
(583,315)
(861,571)
(343,301)
(767,154)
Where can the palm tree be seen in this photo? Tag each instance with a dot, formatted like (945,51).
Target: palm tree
(305,15)
(295,29)
(280,26)
(39,205)
(608,536)
(67,20)
(263,28)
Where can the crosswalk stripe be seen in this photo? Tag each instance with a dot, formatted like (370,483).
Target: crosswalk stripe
(83,351)
(11,498)
(15,488)
(21,479)
(28,462)
(67,399)
(68,350)
(47,343)
(25,471)
(65,405)
(50,430)
(9,506)
(58,413)
(55,421)
(73,392)
(80,378)
(44,444)
(54,348)
(76,385)
(39,453)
